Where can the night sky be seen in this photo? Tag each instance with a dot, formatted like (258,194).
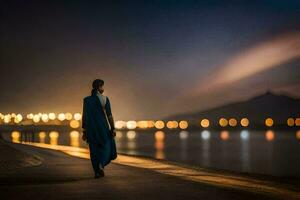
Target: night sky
(157,58)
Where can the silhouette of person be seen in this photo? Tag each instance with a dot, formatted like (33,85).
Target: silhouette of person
(98,128)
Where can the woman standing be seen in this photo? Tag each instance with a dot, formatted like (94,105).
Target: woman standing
(98,128)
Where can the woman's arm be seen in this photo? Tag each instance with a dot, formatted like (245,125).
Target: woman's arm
(109,115)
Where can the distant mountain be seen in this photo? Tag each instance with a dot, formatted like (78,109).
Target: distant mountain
(256,109)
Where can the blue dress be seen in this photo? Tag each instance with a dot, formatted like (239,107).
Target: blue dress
(102,145)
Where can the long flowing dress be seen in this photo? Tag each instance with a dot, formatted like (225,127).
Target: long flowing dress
(94,121)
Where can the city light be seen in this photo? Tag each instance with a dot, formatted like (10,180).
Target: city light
(290,122)
(131,124)
(244,122)
(183,124)
(52,116)
(74,124)
(232,122)
(172,124)
(223,122)
(269,122)
(120,124)
(77,116)
(159,124)
(204,123)
(68,116)
(61,117)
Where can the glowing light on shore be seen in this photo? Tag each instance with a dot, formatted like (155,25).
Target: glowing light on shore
(120,124)
(77,116)
(269,122)
(30,116)
(223,122)
(290,122)
(159,124)
(172,124)
(61,117)
(151,123)
(183,124)
(244,122)
(18,118)
(74,124)
(15,136)
(45,118)
(204,123)
(131,124)
(205,134)
(7,119)
(142,124)
(224,135)
(297,121)
(52,116)
(232,122)
(270,135)
(68,116)
(36,118)
(53,137)
(42,136)
(131,135)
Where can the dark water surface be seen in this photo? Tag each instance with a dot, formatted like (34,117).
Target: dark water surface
(263,152)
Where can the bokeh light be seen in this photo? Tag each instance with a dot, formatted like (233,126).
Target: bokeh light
(244,122)
(52,116)
(120,124)
(74,124)
(290,122)
(68,116)
(77,116)
(223,122)
(269,122)
(131,124)
(204,123)
(232,122)
(61,117)
(159,124)
(183,124)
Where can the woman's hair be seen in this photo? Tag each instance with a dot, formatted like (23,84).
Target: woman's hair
(96,84)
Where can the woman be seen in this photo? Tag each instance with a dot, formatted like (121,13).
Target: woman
(98,128)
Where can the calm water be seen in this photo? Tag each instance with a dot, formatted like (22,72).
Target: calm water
(265,152)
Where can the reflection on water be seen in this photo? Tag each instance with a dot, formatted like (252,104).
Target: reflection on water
(270,135)
(159,144)
(265,152)
(74,138)
(53,135)
(15,136)
(42,136)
